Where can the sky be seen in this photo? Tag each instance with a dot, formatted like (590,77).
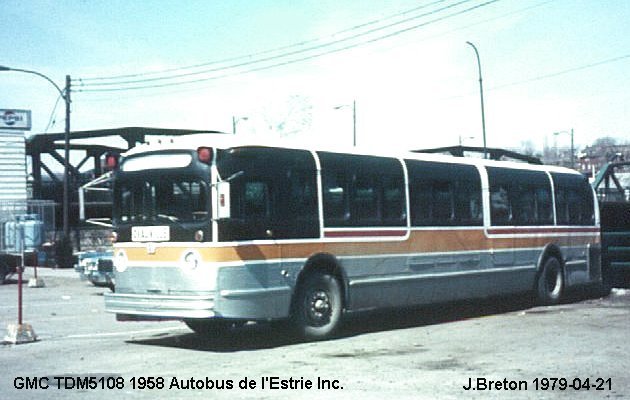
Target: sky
(292,69)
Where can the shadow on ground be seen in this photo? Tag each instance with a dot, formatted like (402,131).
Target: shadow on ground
(261,336)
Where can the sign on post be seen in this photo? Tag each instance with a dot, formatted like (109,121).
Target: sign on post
(15,119)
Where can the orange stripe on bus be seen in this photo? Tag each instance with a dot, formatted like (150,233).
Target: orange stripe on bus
(429,241)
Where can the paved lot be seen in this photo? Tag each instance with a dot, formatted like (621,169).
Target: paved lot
(432,352)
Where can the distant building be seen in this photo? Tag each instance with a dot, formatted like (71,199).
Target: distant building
(592,158)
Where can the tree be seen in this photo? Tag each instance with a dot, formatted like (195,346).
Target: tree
(292,117)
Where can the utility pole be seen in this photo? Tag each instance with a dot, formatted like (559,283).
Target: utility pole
(66,169)
(555,134)
(354,120)
(572,151)
(235,120)
(354,123)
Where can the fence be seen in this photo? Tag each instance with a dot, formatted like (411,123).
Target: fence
(26,224)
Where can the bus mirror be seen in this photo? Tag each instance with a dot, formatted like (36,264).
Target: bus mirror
(223,200)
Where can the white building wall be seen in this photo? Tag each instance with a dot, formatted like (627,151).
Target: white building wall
(12,166)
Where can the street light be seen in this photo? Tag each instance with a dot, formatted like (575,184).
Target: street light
(483,117)
(572,148)
(235,120)
(354,120)
(65,94)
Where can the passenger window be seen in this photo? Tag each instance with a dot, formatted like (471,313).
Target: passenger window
(364,200)
(519,197)
(526,206)
(335,195)
(362,190)
(444,194)
(574,200)
(443,209)
(500,209)
(544,208)
(468,210)
(394,202)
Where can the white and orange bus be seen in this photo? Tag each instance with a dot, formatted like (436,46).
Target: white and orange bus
(215,235)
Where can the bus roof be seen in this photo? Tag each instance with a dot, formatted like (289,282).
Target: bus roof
(226,141)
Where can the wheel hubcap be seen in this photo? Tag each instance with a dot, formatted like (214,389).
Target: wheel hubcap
(319,307)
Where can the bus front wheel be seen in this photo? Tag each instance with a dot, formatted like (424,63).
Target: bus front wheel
(550,282)
(318,306)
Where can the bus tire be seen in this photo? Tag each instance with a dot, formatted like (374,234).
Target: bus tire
(208,327)
(318,306)
(550,282)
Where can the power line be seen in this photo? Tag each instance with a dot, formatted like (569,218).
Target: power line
(304,58)
(563,72)
(280,56)
(277,49)
(52,120)
(485,21)
(547,76)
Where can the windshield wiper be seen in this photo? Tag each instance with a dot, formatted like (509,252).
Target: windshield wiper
(171,218)
(230,178)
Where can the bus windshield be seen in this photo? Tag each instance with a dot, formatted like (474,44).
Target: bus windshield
(162,200)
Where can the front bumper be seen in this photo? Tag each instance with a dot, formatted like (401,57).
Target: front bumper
(161,305)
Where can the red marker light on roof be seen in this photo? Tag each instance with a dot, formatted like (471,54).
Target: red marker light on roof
(204,154)
(111,161)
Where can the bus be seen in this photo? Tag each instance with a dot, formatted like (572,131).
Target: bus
(216,235)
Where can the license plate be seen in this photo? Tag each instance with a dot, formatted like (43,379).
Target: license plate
(150,234)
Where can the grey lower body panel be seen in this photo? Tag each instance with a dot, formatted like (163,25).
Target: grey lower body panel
(264,290)
(419,289)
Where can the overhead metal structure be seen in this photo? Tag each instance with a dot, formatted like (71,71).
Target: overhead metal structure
(52,143)
(493,153)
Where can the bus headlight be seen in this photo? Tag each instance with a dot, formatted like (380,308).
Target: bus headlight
(191,259)
(120,261)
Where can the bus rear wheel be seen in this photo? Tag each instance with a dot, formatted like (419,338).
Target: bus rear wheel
(550,282)
(318,306)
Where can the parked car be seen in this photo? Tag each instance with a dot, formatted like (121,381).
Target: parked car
(96,267)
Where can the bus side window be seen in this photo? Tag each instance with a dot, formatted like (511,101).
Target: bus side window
(362,191)
(526,205)
(443,203)
(394,210)
(544,209)
(519,197)
(588,216)
(468,209)
(444,194)
(364,200)
(300,194)
(335,198)
(580,207)
(420,196)
(500,207)
(574,200)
